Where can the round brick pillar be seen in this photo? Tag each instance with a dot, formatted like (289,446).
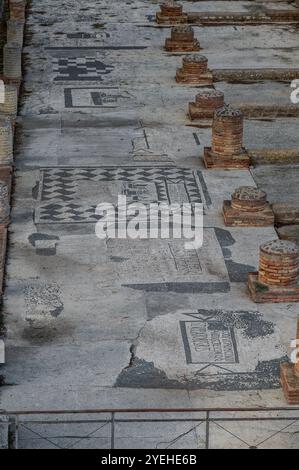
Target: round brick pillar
(195,64)
(249,199)
(297,363)
(4,204)
(210,99)
(279,263)
(182,34)
(10,105)
(227,131)
(15,32)
(17,9)
(12,62)
(6,142)
(171,8)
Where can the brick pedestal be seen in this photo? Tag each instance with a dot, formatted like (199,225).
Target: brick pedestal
(182,40)
(12,62)
(4,205)
(227,141)
(171,13)
(248,208)
(195,71)
(15,32)
(17,9)
(277,278)
(205,105)
(10,105)
(289,375)
(6,142)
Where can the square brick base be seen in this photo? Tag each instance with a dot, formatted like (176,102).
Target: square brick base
(262,293)
(205,79)
(290,383)
(171,20)
(236,218)
(174,46)
(233,162)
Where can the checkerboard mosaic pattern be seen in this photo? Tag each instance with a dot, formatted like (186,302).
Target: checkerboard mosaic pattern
(71,195)
(80,68)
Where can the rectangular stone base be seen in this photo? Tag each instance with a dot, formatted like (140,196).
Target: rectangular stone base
(196,113)
(233,162)
(171,20)
(290,383)
(205,79)
(174,46)
(262,293)
(236,218)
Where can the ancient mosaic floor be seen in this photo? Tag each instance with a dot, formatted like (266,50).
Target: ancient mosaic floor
(147,323)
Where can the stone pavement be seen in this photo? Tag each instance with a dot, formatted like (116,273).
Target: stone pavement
(121,323)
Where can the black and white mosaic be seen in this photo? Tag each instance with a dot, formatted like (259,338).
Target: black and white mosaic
(103,97)
(70,195)
(211,349)
(80,68)
(208,340)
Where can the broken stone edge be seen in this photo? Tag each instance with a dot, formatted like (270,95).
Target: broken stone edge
(6,175)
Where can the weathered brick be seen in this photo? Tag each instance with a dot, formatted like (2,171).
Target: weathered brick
(248,208)
(227,141)
(195,71)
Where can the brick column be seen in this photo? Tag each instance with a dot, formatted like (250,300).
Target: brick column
(195,71)
(4,204)
(206,103)
(12,62)
(182,40)
(17,9)
(297,338)
(277,278)
(248,208)
(15,32)
(10,105)
(227,140)
(171,13)
(6,142)
(279,263)
(289,377)
(227,131)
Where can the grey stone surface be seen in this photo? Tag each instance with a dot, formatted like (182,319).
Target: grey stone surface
(4,432)
(143,324)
